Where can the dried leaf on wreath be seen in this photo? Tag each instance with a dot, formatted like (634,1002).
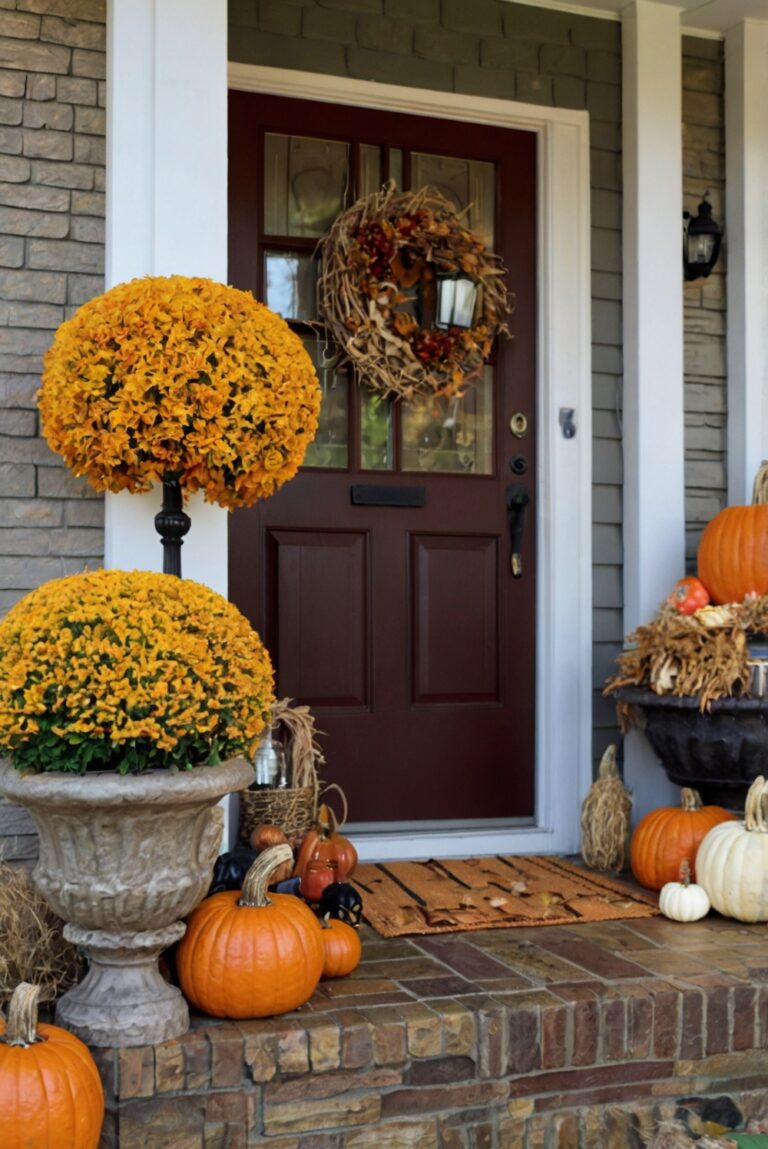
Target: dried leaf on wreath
(349,289)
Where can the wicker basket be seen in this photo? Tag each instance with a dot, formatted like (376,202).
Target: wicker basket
(293,809)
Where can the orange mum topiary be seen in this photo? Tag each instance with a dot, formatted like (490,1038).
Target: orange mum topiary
(129,670)
(179,376)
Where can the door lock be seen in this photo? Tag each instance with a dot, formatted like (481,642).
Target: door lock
(518,425)
(518,465)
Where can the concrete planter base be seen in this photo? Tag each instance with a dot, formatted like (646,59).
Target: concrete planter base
(122,860)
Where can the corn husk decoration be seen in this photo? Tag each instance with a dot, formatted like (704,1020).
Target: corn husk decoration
(605,818)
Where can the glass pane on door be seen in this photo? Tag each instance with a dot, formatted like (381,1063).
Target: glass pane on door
(290,280)
(370,169)
(376,431)
(464,183)
(304,184)
(330,448)
(454,436)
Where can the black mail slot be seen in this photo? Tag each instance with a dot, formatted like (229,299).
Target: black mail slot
(368,495)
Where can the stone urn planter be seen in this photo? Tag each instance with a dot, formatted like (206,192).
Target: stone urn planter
(718,752)
(123,858)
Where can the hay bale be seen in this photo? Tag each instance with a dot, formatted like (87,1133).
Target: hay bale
(32,945)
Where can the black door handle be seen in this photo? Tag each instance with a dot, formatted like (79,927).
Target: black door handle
(517,500)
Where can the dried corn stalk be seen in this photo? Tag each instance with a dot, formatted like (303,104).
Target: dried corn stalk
(605,816)
(306,755)
(703,655)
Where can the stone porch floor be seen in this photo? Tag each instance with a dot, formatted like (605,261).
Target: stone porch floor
(573,1037)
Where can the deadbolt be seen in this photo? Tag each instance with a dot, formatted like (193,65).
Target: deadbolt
(518,465)
(518,425)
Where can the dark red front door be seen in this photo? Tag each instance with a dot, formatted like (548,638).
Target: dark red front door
(380,577)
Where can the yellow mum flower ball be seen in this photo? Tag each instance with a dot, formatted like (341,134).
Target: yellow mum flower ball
(129,670)
(171,375)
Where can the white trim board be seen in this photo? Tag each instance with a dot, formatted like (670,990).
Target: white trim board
(564,498)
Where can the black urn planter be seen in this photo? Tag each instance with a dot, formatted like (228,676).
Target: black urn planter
(718,752)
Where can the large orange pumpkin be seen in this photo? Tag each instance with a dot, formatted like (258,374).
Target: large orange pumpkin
(733,552)
(325,856)
(51,1095)
(248,955)
(670,835)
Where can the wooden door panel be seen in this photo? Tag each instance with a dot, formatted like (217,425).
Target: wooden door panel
(455,619)
(323,654)
(402,626)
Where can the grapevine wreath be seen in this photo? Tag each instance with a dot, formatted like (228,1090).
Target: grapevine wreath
(380,255)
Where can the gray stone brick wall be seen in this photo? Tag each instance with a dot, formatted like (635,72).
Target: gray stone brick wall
(491,48)
(52,127)
(705,300)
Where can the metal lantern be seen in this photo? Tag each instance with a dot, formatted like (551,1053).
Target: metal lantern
(456,301)
(701,241)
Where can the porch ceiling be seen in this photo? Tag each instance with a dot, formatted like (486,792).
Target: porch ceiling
(712,16)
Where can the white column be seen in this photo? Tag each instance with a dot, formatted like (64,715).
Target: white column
(746,235)
(654,495)
(166,209)
(167,215)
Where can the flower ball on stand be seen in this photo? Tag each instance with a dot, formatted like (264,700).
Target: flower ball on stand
(180,381)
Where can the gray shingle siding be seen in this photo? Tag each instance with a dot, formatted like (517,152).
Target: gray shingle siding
(52,68)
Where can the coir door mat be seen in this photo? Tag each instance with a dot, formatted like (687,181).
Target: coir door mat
(486,893)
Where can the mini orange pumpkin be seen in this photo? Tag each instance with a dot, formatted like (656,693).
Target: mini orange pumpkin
(263,837)
(733,551)
(249,955)
(51,1096)
(325,856)
(343,948)
(666,837)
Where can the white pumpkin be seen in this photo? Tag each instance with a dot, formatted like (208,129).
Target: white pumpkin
(684,901)
(732,861)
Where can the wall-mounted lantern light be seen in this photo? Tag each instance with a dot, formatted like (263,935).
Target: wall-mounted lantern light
(701,241)
(456,301)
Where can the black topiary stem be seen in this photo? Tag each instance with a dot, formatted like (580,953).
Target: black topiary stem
(172,523)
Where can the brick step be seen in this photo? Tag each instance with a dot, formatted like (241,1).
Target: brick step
(552,1038)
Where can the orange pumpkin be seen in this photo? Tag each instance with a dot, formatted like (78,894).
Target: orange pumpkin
(248,955)
(325,857)
(262,838)
(733,552)
(666,837)
(343,948)
(51,1095)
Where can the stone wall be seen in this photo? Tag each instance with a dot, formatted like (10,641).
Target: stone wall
(705,302)
(52,125)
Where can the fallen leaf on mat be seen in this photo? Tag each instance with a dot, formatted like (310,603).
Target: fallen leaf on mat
(438,917)
(405,916)
(497,903)
(518,888)
(467,901)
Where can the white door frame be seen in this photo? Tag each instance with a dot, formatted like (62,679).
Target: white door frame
(564,497)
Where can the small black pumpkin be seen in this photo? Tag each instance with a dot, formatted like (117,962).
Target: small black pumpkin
(343,901)
(230,869)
